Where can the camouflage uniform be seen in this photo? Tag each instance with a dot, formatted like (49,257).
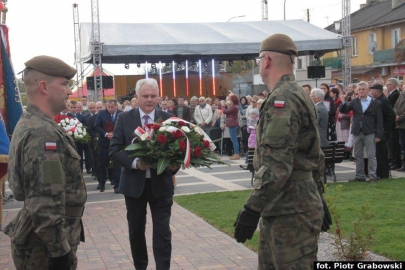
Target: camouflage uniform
(49,181)
(285,193)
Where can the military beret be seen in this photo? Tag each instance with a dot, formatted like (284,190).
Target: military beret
(51,66)
(377,87)
(279,43)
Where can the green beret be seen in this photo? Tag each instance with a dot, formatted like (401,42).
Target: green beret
(279,43)
(51,66)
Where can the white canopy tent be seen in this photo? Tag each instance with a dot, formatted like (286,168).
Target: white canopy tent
(222,41)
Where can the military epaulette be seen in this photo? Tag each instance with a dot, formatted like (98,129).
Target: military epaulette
(50,146)
(279,103)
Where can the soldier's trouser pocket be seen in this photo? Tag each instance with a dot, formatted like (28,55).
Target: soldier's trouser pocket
(20,228)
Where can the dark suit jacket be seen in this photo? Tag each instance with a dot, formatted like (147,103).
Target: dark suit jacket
(132,181)
(370,121)
(90,127)
(322,123)
(104,117)
(393,97)
(186,113)
(388,115)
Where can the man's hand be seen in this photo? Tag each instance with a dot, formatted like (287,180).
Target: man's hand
(142,166)
(327,218)
(377,140)
(60,263)
(109,135)
(246,224)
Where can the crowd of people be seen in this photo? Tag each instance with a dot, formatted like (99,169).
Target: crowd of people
(367,117)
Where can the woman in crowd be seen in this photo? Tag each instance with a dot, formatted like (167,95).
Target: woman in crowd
(259,103)
(252,105)
(231,111)
(330,105)
(216,115)
(208,101)
(243,105)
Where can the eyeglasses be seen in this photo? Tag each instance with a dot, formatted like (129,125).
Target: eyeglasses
(259,58)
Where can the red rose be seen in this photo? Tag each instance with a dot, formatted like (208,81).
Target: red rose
(150,126)
(177,134)
(197,151)
(181,124)
(206,144)
(156,127)
(182,145)
(162,138)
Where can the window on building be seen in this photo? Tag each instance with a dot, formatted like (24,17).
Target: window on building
(372,42)
(395,36)
(354,48)
(299,63)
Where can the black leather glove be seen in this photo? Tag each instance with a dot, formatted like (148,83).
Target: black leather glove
(246,224)
(327,218)
(60,263)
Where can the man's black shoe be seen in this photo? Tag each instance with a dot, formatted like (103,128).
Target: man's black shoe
(98,186)
(102,187)
(116,190)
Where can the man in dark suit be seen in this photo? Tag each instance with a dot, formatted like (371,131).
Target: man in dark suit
(88,151)
(142,185)
(182,111)
(93,142)
(81,147)
(367,130)
(104,126)
(318,96)
(393,95)
(388,114)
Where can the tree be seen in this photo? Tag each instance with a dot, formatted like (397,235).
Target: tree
(240,68)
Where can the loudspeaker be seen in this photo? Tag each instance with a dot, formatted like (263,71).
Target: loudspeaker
(316,72)
(107,82)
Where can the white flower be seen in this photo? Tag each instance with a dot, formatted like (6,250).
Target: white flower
(79,130)
(161,129)
(79,125)
(84,132)
(185,129)
(144,136)
(76,134)
(80,136)
(167,122)
(63,124)
(59,124)
(70,133)
(71,122)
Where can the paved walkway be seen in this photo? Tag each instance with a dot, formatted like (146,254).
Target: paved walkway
(196,244)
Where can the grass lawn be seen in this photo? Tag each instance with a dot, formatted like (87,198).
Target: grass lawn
(386,198)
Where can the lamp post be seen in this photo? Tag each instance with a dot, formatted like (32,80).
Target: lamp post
(240,16)
(284,9)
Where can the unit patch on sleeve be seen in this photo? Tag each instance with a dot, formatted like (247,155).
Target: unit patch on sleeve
(50,146)
(279,103)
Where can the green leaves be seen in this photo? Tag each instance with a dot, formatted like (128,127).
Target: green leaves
(162,165)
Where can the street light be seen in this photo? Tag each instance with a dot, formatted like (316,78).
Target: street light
(284,9)
(236,17)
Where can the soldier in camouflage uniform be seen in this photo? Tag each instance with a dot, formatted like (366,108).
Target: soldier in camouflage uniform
(286,196)
(44,172)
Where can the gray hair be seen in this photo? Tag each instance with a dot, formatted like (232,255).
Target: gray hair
(150,82)
(318,93)
(394,81)
(363,83)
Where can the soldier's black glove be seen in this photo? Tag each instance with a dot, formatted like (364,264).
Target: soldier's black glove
(60,263)
(327,218)
(246,224)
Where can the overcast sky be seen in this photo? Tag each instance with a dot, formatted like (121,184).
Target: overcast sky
(46,26)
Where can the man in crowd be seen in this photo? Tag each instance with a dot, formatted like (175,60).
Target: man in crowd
(43,172)
(399,109)
(367,130)
(88,149)
(104,126)
(134,103)
(141,185)
(93,142)
(203,115)
(265,93)
(307,89)
(193,104)
(393,95)
(164,106)
(82,148)
(182,111)
(388,115)
(84,102)
(318,96)
(287,151)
